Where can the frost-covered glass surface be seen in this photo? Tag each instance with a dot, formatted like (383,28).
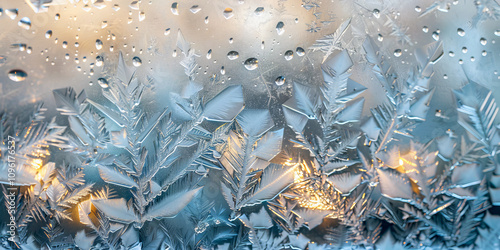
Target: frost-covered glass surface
(233,124)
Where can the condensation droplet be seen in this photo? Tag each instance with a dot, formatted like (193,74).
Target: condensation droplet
(289,55)
(497,33)
(259,11)
(222,70)
(103,83)
(451,54)
(464,50)
(206,20)
(48,34)
(484,53)
(17,75)
(99,61)
(418,9)
(231,40)
(233,55)
(262,45)
(460,32)
(300,51)
(376,13)
(25,23)
(280,28)
(195,9)
(398,53)
(251,63)
(380,38)
(209,54)
(167,32)
(425,29)
(98,44)
(228,13)
(12,13)
(280,80)
(142,16)
(136,61)
(175,8)
(483,41)
(435,35)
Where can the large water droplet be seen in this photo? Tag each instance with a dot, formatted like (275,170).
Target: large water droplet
(12,13)
(259,11)
(195,9)
(289,55)
(175,8)
(397,53)
(233,55)
(300,51)
(228,13)
(464,49)
(483,41)
(280,80)
(98,44)
(251,63)
(460,32)
(136,61)
(280,28)
(17,75)
(24,23)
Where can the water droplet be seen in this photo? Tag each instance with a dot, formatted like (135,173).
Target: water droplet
(209,54)
(460,32)
(300,51)
(195,9)
(280,28)
(134,5)
(98,44)
(398,53)
(222,70)
(48,34)
(65,44)
(103,83)
(17,75)
(262,45)
(136,61)
(376,13)
(167,32)
(425,29)
(251,63)
(497,33)
(451,54)
(142,16)
(24,23)
(18,46)
(435,35)
(174,54)
(116,7)
(289,55)
(57,16)
(99,61)
(483,41)
(259,11)
(380,38)
(104,24)
(206,20)
(464,49)
(233,55)
(484,53)
(175,8)
(418,9)
(228,13)
(231,40)
(472,58)
(460,61)
(280,80)
(445,76)
(12,13)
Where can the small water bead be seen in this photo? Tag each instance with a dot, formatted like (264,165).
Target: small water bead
(65,44)
(425,29)
(497,33)
(418,9)
(231,40)
(460,32)
(99,61)
(116,7)
(25,23)
(136,61)
(460,61)
(464,50)
(12,13)
(209,54)
(435,35)
(484,53)
(280,28)
(228,13)
(262,45)
(174,53)
(451,54)
(206,20)
(483,41)
(445,76)
(289,55)
(98,44)
(77,44)
(251,63)
(17,75)
(103,83)
(259,11)
(67,57)
(300,51)
(376,13)
(472,59)
(296,20)
(142,16)
(48,34)
(167,32)
(222,70)
(398,53)
(57,16)
(233,55)
(29,50)
(175,8)
(380,38)
(195,9)
(280,81)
